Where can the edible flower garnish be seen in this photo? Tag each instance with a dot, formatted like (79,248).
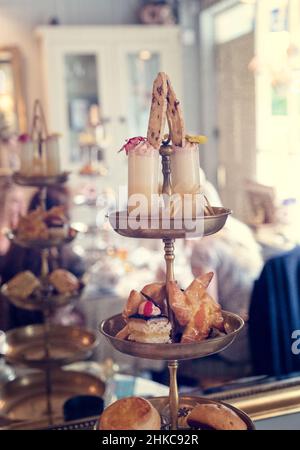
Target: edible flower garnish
(132,143)
(197,139)
(24,137)
(192,139)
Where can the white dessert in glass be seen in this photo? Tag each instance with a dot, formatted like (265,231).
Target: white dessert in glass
(52,155)
(185,175)
(26,155)
(143,171)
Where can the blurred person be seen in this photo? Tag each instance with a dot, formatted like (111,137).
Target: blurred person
(235,258)
(12,206)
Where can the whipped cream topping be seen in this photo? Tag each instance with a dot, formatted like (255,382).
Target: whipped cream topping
(139,145)
(148,309)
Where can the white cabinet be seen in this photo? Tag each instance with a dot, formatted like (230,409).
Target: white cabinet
(112,66)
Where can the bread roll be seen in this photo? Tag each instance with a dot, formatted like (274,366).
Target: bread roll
(131,413)
(64,282)
(216,417)
(23,285)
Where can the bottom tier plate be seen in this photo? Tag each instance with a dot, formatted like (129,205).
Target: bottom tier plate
(24,398)
(67,344)
(233,325)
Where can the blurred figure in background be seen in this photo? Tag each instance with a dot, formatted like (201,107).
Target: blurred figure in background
(235,258)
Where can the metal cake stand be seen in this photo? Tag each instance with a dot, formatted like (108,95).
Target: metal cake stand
(174,352)
(46,347)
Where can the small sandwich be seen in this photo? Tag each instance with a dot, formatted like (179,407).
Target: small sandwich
(64,282)
(23,285)
(131,413)
(215,417)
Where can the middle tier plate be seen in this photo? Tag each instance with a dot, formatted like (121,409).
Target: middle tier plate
(147,228)
(233,325)
(67,344)
(39,244)
(41,302)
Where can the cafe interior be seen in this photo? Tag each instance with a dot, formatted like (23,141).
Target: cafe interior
(102,311)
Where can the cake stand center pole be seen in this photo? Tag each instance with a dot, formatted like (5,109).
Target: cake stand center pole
(166,152)
(173,394)
(169,258)
(172,365)
(48,378)
(43,198)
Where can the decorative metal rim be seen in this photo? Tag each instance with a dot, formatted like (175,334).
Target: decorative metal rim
(40,181)
(35,380)
(42,243)
(176,351)
(36,333)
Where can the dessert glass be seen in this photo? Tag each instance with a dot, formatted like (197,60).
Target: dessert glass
(143,172)
(26,155)
(185,176)
(52,155)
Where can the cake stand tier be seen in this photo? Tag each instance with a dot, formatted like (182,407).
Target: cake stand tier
(40,181)
(25,398)
(187,403)
(120,221)
(65,344)
(168,352)
(41,244)
(41,303)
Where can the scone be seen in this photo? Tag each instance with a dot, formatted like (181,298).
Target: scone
(132,413)
(23,285)
(64,282)
(215,417)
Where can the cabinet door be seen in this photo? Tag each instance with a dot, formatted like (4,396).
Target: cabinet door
(138,63)
(77,78)
(113,67)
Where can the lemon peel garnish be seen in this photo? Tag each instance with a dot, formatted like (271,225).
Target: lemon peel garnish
(196,139)
(193,139)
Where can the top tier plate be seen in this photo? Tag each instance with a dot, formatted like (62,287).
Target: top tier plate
(40,181)
(176,229)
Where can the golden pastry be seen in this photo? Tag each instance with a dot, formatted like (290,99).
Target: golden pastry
(131,413)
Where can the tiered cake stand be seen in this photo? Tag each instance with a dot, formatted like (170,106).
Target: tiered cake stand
(176,351)
(45,347)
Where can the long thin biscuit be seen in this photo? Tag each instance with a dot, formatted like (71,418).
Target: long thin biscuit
(175,117)
(158,110)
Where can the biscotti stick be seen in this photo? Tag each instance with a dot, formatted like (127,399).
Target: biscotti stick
(175,117)
(158,110)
